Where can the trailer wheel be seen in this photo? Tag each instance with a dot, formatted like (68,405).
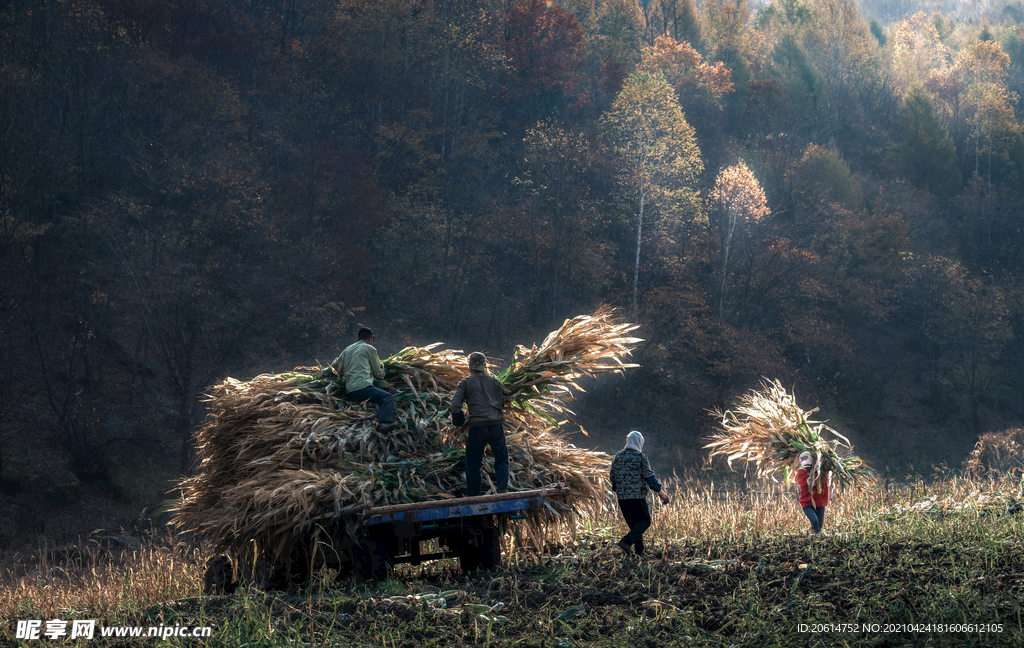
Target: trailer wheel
(373,558)
(218,578)
(480,549)
(490,549)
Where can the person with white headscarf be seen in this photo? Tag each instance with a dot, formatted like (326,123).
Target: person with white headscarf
(631,477)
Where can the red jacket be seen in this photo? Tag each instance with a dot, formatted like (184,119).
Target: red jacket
(820,495)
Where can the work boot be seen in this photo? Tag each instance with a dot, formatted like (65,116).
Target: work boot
(384,428)
(626,549)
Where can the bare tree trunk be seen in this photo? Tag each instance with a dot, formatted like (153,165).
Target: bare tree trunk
(636,263)
(730,229)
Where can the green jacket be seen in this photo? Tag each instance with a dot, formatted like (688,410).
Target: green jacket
(359,364)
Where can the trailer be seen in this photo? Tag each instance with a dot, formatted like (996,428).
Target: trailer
(466,528)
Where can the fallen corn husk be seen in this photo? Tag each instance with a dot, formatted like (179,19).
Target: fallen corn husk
(770,430)
(977,502)
(284,454)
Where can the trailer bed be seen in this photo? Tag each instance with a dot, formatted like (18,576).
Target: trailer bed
(462,507)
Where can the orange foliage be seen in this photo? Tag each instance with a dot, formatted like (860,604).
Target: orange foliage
(544,44)
(685,70)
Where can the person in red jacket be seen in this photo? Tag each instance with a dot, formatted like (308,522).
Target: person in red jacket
(813,493)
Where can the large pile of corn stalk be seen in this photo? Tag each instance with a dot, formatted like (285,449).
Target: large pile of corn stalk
(770,430)
(282,454)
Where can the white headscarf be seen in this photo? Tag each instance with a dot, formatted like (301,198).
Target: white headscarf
(635,440)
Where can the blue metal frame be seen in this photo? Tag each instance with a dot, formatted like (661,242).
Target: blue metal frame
(454,510)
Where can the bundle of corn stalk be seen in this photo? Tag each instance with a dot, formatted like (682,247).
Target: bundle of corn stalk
(769,429)
(282,454)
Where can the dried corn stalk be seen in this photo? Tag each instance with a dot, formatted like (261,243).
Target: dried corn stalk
(283,454)
(770,430)
(1002,501)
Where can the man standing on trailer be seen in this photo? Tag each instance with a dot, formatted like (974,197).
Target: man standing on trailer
(485,400)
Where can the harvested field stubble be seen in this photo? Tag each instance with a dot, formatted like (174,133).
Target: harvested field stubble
(754,578)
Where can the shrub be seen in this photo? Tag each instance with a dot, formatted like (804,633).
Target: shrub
(997,452)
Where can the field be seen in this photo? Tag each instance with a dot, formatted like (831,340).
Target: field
(723,568)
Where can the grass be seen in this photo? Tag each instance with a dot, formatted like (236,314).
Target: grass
(723,569)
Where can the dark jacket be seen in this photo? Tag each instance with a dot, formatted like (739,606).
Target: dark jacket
(631,475)
(484,397)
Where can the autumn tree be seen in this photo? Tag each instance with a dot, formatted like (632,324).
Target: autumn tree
(916,49)
(978,108)
(737,200)
(660,158)
(685,70)
(544,44)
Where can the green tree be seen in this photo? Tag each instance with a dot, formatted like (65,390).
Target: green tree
(561,224)
(621,23)
(804,108)
(990,234)
(659,153)
(726,29)
(963,328)
(926,151)
(783,17)
(842,47)
(729,39)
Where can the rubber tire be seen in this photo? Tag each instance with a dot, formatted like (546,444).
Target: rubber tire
(373,559)
(490,549)
(480,549)
(218,577)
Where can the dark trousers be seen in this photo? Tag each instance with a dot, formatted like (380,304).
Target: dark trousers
(816,516)
(382,398)
(638,517)
(479,436)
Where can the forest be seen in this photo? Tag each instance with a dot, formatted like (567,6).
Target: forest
(823,192)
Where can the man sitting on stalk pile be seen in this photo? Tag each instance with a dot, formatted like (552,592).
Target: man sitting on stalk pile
(360,366)
(485,400)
